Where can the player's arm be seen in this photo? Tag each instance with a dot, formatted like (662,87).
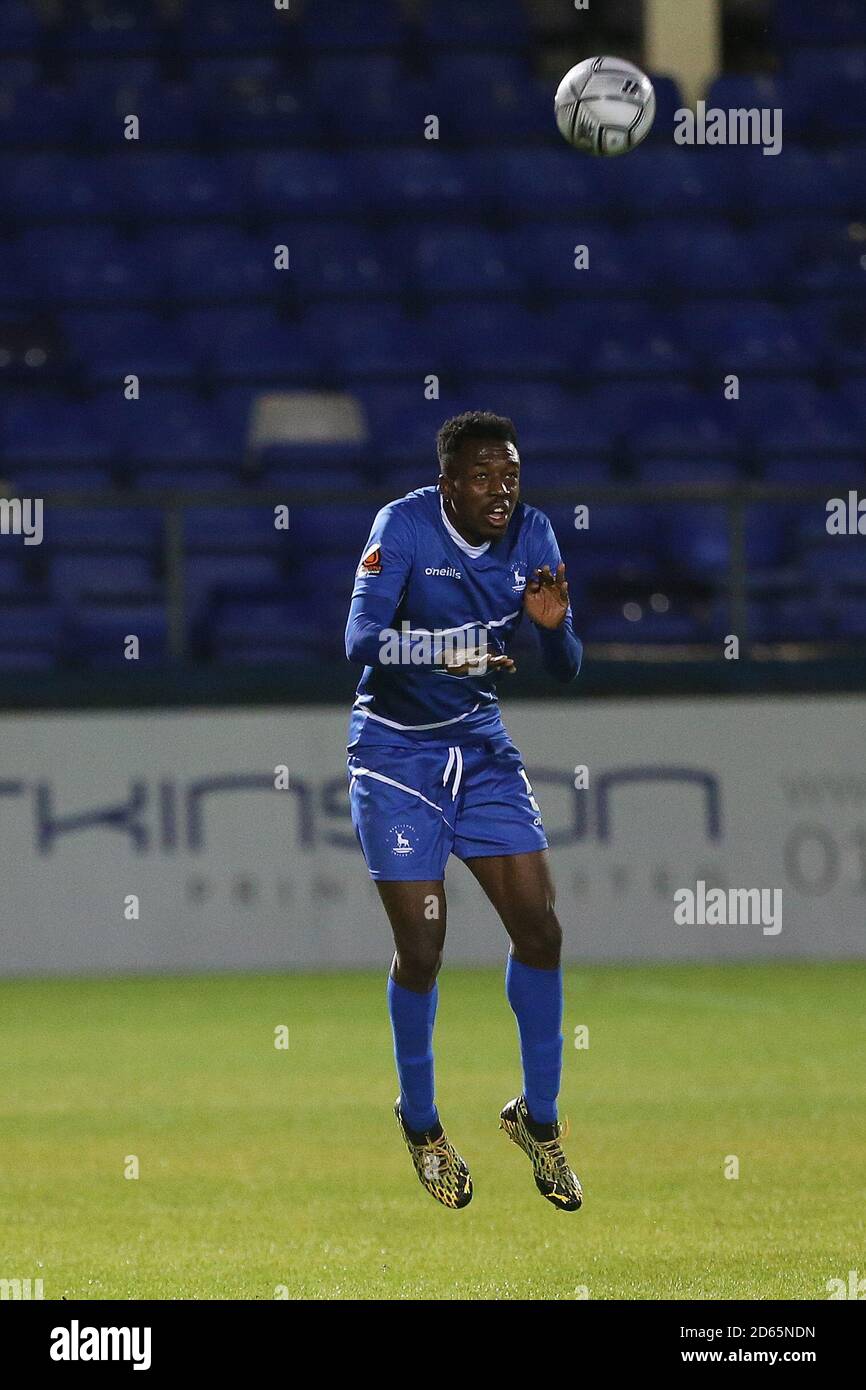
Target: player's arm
(546,603)
(379,583)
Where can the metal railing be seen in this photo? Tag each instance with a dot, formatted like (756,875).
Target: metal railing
(174,504)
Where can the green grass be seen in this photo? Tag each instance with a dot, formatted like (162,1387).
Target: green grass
(261,1167)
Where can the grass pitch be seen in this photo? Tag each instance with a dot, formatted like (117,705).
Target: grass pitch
(265,1171)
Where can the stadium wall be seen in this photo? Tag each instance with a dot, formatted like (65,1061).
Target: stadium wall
(158,841)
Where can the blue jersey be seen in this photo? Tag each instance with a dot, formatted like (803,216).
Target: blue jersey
(413,572)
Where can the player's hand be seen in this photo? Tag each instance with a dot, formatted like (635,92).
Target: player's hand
(546,597)
(481,664)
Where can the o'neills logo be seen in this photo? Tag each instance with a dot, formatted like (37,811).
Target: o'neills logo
(372,561)
(77,1343)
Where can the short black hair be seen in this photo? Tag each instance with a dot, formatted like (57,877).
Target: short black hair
(472,424)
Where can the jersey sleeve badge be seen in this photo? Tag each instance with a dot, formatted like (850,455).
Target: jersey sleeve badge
(372,561)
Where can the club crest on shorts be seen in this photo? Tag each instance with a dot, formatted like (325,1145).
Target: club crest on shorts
(402,838)
(372,561)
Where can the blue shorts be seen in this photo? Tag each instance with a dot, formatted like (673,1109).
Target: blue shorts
(413,807)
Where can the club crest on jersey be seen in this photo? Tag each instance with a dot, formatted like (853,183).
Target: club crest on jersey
(402,836)
(372,561)
(519,576)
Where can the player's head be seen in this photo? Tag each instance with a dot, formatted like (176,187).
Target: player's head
(479,475)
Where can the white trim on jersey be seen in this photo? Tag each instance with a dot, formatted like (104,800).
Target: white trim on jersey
(401,786)
(392,723)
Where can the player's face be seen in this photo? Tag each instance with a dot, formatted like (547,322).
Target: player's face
(481,494)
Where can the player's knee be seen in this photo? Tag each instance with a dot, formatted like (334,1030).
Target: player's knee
(418,966)
(539,940)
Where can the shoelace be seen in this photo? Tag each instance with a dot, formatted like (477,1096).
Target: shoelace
(554,1160)
(440,1149)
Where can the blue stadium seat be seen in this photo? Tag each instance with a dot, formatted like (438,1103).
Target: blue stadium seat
(817,468)
(38,480)
(91,74)
(686,471)
(540,471)
(361,73)
(90,266)
(827,427)
(336,258)
(794,180)
(551,183)
(749,337)
(392,113)
(206,576)
(832,260)
(132,530)
(234,530)
(206,264)
(361,341)
(164,426)
(145,344)
(187,477)
(684,421)
(615,262)
(90,32)
(58,186)
(492,109)
(48,429)
(74,576)
(17,72)
(96,633)
(157,185)
(169,113)
(679,182)
(341,481)
(669,100)
(30,635)
(12,578)
(20,28)
(474,24)
(40,116)
(353,24)
(275,112)
(497,338)
(255,344)
(851,617)
(15,291)
(711,258)
(448,260)
(233,27)
(835,21)
(407,182)
(619,340)
(299,182)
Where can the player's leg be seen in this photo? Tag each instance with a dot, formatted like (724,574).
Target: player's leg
(406,838)
(521,889)
(417,913)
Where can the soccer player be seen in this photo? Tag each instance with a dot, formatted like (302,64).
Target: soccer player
(445,577)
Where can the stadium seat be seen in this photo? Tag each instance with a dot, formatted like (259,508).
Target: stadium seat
(90,266)
(146,345)
(48,429)
(352,25)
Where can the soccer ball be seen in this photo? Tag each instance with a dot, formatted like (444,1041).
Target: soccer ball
(605,106)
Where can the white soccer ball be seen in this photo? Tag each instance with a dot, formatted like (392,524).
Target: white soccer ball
(605,106)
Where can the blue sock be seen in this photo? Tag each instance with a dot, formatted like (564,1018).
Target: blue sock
(536,998)
(412,1018)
